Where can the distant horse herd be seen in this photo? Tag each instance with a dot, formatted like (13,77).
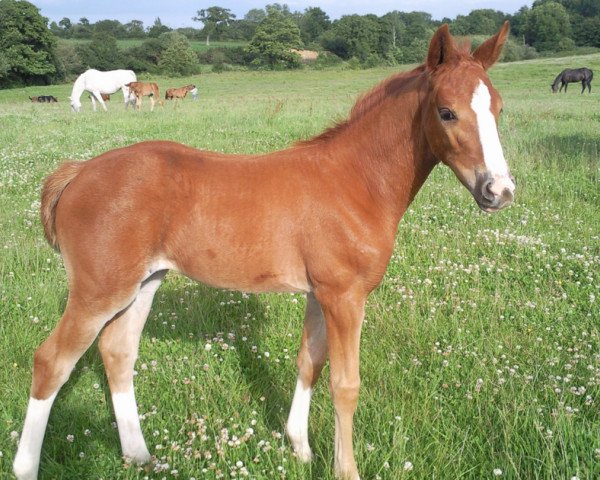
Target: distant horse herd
(101,85)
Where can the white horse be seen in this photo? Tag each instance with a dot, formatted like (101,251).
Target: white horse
(97,82)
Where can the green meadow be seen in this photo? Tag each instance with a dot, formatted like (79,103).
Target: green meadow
(480,354)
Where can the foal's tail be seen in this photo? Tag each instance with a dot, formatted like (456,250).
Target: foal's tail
(53,188)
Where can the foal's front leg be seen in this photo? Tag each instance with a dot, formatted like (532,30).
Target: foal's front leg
(311,358)
(344,315)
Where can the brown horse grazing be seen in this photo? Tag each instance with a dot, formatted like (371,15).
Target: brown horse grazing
(175,93)
(142,89)
(319,217)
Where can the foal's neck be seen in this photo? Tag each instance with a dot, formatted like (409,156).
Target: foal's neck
(388,147)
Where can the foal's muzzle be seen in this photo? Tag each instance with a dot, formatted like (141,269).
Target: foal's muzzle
(494,192)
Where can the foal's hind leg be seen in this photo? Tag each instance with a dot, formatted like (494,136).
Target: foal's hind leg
(119,343)
(53,362)
(311,358)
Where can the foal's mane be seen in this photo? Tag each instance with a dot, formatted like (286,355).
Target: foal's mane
(389,87)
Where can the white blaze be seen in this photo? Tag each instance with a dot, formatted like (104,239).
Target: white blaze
(488,132)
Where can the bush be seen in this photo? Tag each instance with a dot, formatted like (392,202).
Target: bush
(514,51)
(178,58)
(416,52)
(354,64)
(325,60)
(101,53)
(373,60)
(231,55)
(69,61)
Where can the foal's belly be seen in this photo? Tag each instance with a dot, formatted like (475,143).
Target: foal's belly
(248,270)
(256,280)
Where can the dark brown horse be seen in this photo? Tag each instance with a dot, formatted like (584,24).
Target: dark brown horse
(319,217)
(583,75)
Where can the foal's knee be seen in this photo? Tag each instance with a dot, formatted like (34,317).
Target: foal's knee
(345,395)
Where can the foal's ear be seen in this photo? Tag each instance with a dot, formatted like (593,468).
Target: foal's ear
(441,48)
(489,51)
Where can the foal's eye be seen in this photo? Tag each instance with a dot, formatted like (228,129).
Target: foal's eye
(446,114)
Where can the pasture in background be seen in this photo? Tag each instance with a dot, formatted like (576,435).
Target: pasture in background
(480,349)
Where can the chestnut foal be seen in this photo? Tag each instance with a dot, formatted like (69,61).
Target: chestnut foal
(319,217)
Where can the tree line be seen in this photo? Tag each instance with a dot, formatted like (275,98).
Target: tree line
(33,50)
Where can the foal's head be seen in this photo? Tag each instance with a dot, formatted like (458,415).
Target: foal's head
(461,117)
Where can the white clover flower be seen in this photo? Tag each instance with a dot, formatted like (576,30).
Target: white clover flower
(497,472)
(408,466)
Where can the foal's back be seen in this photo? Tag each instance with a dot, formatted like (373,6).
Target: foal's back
(253,223)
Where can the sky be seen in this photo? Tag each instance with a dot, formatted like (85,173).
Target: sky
(179,13)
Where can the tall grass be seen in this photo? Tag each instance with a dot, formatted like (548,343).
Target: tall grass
(480,349)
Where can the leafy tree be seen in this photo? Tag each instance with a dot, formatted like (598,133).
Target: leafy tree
(178,58)
(157,29)
(101,53)
(55,29)
(284,9)
(585,8)
(313,23)
(113,28)
(69,61)
(419,27)
(67,27)
(518,22)
(586,31)
(82,29)
(145,57)
(479,22)
(392,31)
(255,15)
(548,27)
(275,36)
(353,36)
(135,29)
(27,47)
(245,28)
(215,20)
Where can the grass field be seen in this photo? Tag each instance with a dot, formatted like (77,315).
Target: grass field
(480,348)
